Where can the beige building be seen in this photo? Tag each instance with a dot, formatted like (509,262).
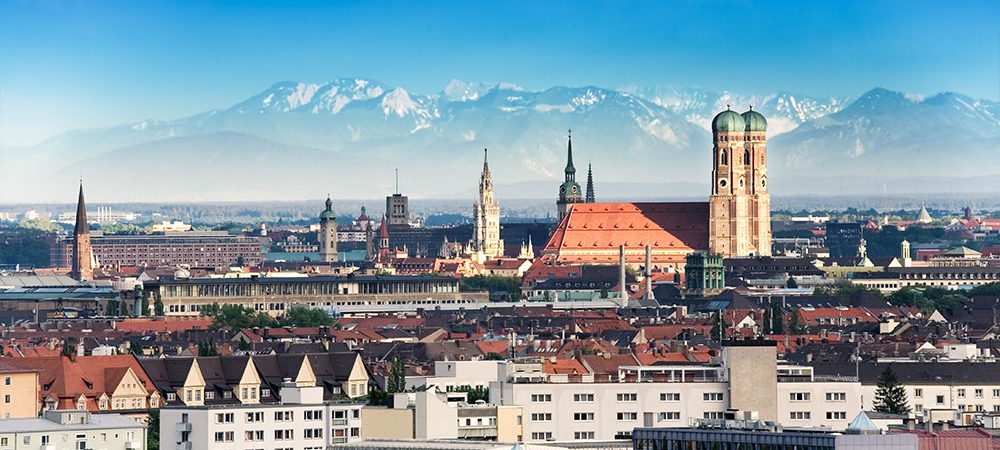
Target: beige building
(740,207)
(72,430)
(19,392)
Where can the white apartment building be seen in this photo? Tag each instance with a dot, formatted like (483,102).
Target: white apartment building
(302,422)
(72,430)
(560,408)
(449,375)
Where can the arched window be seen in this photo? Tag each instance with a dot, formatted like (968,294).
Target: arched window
(725,157)
(746,157)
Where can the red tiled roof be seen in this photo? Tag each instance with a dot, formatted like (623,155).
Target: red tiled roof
(563,367)
(671,229)
(66,378)
(498,347)
(162,325)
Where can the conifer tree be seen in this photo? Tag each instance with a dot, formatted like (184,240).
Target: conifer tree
(890,397)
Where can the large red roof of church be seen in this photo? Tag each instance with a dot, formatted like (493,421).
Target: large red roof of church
(592,232)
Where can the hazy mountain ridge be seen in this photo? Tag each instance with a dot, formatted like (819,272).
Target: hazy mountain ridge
(345,137)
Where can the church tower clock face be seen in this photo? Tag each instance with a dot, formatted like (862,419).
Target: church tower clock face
(722,183)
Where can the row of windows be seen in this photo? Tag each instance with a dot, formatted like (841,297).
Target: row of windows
(630,397)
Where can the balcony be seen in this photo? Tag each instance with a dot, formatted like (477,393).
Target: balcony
(339,422)
(132,445)
(184,445)
(183,426)
(47,447)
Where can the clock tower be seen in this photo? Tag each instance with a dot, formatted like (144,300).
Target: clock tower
(569,190)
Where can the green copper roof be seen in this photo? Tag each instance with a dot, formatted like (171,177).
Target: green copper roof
(754,121)
(728,121)
(328,212)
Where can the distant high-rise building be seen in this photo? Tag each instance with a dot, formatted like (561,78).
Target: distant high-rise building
(397,207)
(83,262)
(486,242)
(569,190)
(590,184)
(843,239)
(328,233)
(740,207)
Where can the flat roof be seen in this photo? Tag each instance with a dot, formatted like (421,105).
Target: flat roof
(38,424)
(318,279)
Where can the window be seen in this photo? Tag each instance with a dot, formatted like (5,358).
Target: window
(961,393)
(714,415)
(799,415)
(224,418)
(265,393)
(6,381)
(257,416)
(255,435)
(628,416)
(581,435)
(798,397)
(627,397)
(541,417)
(918,393)
(670,396)
(541,398)
(670,415)
(316,414)
(313,433)
(583,398)
(583,417)
(713,396)
(918,409)
(940,399)
(996,393)
(6,399)
(171,396)
(836,415)
(979,393)
(283,416)
(209,395)
(224,436)
(283,435)
(541,436)
(836,396)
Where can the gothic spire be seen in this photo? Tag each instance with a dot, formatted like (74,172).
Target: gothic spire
(81,215)
(590,184)
(570,170)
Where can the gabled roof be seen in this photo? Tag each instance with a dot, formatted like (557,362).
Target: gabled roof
(677,228)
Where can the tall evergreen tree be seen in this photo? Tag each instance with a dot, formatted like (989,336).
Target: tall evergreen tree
(719,328)
(777,317)
(890,397)
(397,377)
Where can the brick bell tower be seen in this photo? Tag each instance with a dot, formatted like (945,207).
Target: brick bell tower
(740,207)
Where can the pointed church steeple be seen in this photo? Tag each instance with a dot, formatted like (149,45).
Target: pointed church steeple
(590,184)
(83,262)
(570,169)
(569,190)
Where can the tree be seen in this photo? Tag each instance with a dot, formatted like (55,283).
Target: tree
(890,396)
(719,328)
(301,316)
(777,317)
(207,348)
(791,284)
(378,397)
(795,325)
(474,393)
(396,381)
(236,317)
(158,307)
(68,349)
(153,430)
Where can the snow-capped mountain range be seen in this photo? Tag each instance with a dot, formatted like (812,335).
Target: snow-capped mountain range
(299,140)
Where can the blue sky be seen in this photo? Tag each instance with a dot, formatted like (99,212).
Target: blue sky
(80,64)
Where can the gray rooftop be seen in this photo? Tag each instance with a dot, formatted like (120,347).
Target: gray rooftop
(38,424)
